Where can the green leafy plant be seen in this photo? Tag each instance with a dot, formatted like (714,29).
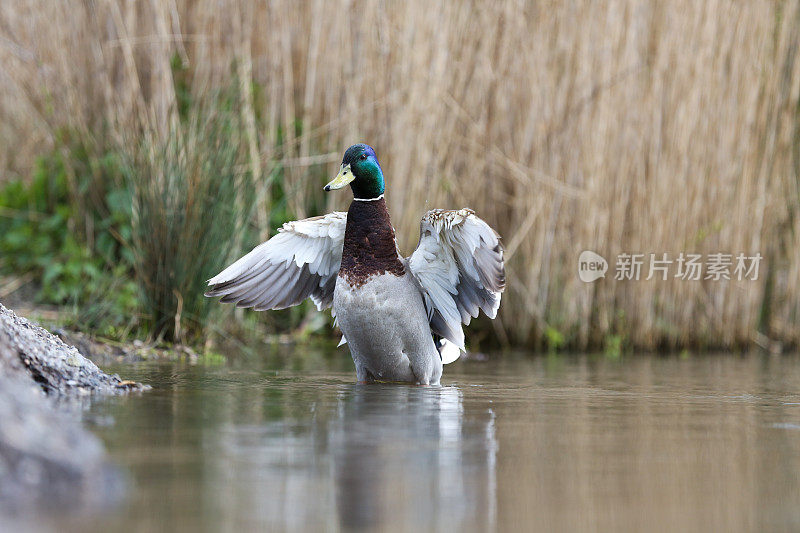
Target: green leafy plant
(555,339)
(38,237)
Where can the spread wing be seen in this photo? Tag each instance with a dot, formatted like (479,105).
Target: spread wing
(301,261)
(458,265)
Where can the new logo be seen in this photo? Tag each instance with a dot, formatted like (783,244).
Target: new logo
(591,266)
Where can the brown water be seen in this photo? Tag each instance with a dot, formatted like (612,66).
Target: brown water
(571,443)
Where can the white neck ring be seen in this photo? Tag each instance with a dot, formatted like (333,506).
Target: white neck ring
(367,199)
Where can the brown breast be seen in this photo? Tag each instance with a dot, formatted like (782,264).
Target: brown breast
(369,245)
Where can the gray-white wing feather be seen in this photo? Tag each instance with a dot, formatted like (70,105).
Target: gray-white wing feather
(458,265)
(301,261)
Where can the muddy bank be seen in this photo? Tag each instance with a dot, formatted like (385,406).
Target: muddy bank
(47,459)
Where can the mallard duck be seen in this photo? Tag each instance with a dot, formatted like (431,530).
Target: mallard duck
(401,317)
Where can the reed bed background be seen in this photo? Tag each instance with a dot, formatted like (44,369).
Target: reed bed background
(613,126)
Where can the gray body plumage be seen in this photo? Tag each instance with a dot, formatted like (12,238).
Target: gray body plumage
(386,327)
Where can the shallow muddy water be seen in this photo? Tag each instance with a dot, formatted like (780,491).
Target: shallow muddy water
(563,443)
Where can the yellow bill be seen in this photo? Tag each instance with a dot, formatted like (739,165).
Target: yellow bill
(344,177)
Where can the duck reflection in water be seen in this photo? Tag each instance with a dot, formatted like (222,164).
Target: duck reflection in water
(367,456)
(412,456)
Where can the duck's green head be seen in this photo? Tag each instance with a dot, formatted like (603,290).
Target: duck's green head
(361,170)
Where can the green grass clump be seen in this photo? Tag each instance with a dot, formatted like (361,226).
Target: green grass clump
(192,196)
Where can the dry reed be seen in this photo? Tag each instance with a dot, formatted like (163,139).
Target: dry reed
(615,126)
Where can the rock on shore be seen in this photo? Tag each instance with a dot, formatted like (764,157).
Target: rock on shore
(47,459)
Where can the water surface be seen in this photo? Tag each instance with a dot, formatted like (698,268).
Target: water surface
(564,443)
